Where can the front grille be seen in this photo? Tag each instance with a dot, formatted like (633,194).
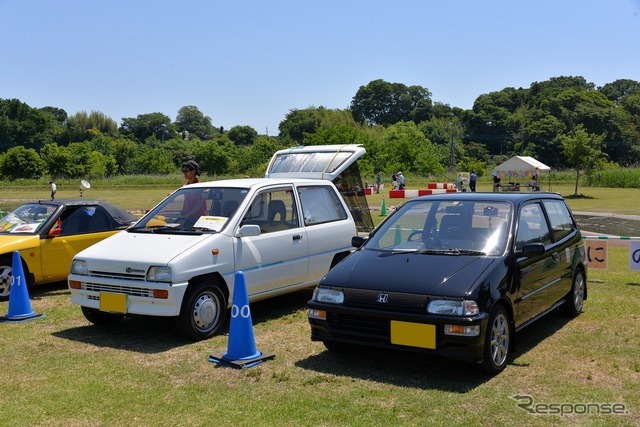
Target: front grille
(120,289)
(395,301)
(367,328)
(120,276)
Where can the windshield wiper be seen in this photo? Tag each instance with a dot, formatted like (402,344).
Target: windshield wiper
(450,251)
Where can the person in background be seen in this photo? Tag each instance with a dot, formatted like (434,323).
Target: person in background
(535,182)
(473,178)
(400,181)
(496,181)
(394,181)
(378,182)
(53,189)
(194,206)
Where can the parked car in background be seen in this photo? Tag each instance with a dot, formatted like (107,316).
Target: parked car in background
(455,275)
(283,232)
(49,233)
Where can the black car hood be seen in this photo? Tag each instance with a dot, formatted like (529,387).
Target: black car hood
(443,275)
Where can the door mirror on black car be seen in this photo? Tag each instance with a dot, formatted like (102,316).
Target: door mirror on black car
(358,241)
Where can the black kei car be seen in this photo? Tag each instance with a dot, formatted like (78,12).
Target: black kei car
(455,275)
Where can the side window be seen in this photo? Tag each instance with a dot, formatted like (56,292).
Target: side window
(532,226)
(273,210)
(85,219)
(559,217)
(320,204)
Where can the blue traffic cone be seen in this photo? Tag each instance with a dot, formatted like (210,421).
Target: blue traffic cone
(241,350)
(19,303)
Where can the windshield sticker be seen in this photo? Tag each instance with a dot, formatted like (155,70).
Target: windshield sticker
(211,222)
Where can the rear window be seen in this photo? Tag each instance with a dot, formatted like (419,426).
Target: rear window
(321,204)
(559,217)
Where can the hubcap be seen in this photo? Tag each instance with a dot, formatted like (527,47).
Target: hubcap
(5,280)
(205,312)
(499,340)
(578,292)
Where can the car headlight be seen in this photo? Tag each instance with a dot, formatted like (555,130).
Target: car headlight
(453,307)
(79,266)
(331,296)
(159,274)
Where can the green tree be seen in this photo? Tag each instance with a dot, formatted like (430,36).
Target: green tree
(21,125)
(190,119)
(583,152)
(153,160)
(82,126)
(20,162)
(144,126)
(242,135)
(384,103)
(215,156)
(60,162)
(405,148)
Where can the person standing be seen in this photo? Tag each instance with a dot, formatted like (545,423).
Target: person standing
(194,206)
(394,181)
(53,189)
(496,181)
(472,181)
(400,181)
(378,182)
(536,177)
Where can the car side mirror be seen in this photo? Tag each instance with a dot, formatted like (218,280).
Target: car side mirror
(358,241)
(533,249)
(54,232)
(248,230)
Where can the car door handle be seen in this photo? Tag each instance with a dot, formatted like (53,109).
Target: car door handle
(297,237)
(556,257)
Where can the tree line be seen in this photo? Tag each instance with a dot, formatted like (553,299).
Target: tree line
(565,122)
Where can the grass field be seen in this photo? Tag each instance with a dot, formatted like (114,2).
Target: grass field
(61,371)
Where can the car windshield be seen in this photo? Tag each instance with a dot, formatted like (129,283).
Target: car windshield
(193,209)
(456,227)
(28,218)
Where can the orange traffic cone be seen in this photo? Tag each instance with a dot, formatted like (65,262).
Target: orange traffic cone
(241,350)
(19,303)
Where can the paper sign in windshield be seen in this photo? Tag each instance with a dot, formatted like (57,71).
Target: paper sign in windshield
(211,222)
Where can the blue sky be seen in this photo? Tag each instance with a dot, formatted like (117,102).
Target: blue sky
(249,62)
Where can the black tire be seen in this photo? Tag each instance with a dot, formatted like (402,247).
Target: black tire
(101,318)
(6,268)
(497,341)
(5,276)
(203,312)
(575,298)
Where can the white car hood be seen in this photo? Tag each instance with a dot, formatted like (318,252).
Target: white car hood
(144,248)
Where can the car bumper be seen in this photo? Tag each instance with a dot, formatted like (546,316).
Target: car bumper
(374,328)
(138,296)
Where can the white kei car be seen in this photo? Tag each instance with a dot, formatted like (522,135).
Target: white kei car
(284,233)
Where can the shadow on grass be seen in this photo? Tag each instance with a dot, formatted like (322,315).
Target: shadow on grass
(150,335)
(418,370)
(578,197)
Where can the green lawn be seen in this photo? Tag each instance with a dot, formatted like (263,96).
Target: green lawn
(61,371)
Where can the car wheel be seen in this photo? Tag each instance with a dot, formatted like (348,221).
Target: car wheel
(203,312)
(101,318)
(575,298)
(497,341)
(6,266)
(5,276)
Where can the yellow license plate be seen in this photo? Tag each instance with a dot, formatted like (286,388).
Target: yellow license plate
(413,334)
(116,303)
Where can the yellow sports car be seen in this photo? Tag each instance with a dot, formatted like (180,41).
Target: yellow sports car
(49,233)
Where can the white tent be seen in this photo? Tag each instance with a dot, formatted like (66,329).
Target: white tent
(519,169)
